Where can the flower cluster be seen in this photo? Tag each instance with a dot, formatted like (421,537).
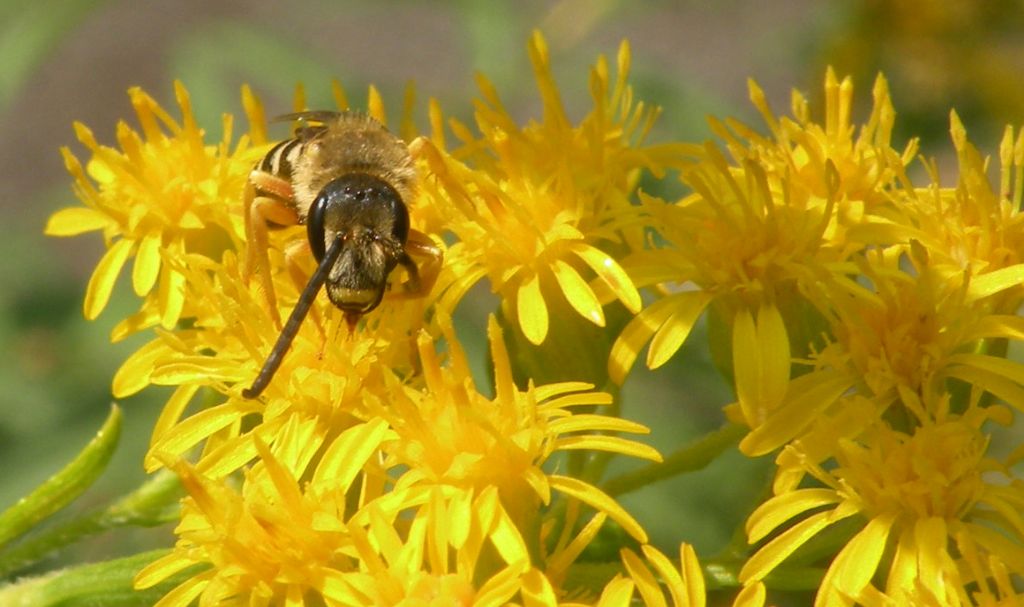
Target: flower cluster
(865,321)
(372,469)
(862,318)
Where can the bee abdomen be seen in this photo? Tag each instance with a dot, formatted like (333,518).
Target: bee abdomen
(280,160)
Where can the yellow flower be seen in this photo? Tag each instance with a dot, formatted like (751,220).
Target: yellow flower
(827,159)
(326,377)
(922,494)
(277,540)
(974,227)
(896,342)
(166,194)
(436,564)
(451,435)
(740,246)
(754,233)
(536,208)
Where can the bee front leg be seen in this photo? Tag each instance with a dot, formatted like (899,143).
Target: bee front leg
(266,200)
(423,276)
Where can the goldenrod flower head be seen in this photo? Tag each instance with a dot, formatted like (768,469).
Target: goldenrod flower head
(923,492)
(165,194)
(535,207)
(755,231)
(452,435)
(899,334)
(276,540)
(974,227)
(327,376)
(436,564)
(807,152)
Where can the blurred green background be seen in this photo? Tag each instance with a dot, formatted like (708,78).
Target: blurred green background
(65,60)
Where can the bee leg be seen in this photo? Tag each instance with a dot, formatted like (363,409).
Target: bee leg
(266,200)
(293,253)
(422,277)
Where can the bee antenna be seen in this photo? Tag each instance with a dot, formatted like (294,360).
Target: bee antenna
(291,328)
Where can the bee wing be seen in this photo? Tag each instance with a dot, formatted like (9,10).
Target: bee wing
(315,116)
(311,124)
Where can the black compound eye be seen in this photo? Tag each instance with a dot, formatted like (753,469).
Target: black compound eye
(315,226)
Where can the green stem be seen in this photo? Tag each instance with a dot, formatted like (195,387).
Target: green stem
(725,574)
(153,503)
(694,456)
(108,583)
(62,488)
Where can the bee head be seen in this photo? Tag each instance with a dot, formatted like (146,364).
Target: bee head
(373,224)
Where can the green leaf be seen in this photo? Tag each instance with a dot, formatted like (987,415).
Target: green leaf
(155,502)
(62,488)
(108,583)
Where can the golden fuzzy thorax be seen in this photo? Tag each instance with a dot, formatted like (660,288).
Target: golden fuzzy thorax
(354,143)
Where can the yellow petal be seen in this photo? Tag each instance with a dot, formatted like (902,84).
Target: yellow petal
(135,372)
(539,482)
(532,311)
(1000,376)
(559,562)
(932,537)
(507,540)
(601,501)
(668,573)
(578,293)
(779,509)
(73,221)
(807,396)
(773,342)
(646,583)
(693,577)
(673,333)
(161,569)
(994,282)
(172,411)
(617,593)
(345,458)
(375,105)
(500,588)
(147,264)
(611,273)
(536,590)
(761,362)
(588,421)
(172,297)
(903,569)
(97,293)
(857,562)
(145,318)
(200,426)
(628,345)
(613,444)
(774,552)
(751,596)
(185,593)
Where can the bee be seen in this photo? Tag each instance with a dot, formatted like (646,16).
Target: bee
(347,179)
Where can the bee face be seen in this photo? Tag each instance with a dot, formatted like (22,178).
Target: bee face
(367,214)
